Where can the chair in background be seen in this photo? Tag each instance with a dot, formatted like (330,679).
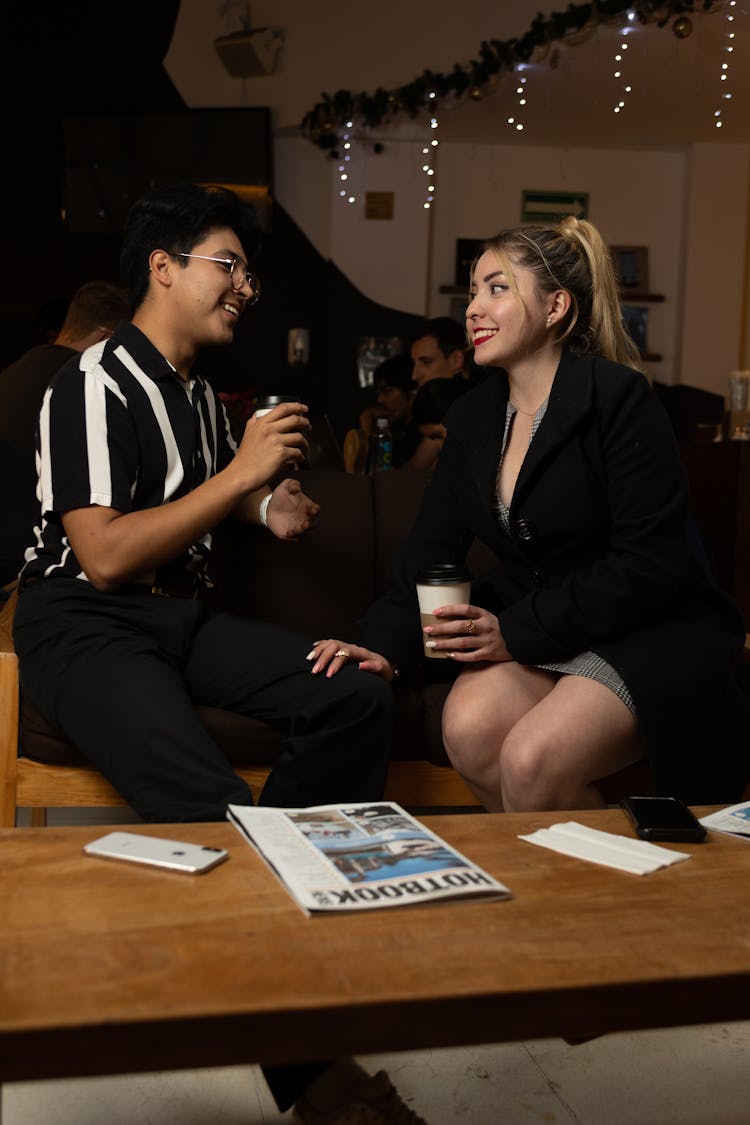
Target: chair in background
(356,445)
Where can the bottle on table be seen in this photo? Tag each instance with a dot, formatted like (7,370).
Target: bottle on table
(381,452)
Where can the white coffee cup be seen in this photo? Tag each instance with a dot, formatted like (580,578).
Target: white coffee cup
(438,585)
(267,403)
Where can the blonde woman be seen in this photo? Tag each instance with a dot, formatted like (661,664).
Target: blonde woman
(598,638)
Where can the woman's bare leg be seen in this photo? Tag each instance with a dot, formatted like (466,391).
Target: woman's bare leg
(483,706)
(524,739)
(579,733)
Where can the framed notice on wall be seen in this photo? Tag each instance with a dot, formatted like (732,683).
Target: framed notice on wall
(552,206)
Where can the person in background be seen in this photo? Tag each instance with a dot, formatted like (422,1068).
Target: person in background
(137,466)
(92,315)
(439,351)
(431,403)
(599,638)
(394,396)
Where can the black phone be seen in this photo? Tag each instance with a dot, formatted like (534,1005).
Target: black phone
(663,818)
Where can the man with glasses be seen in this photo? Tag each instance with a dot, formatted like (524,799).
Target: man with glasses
(238,272)
(137,466)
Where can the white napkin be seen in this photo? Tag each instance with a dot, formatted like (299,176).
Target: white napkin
(636,856)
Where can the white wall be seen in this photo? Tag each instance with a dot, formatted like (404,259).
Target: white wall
(332,44)
(688,206)
(635,198)
(715,304)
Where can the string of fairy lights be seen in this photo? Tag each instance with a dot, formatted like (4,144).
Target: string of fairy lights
(429,154)
(345,190)
(682,27)
(620,64)
(520,91)
(728,50)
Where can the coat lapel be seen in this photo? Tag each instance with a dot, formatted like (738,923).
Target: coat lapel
(483,448)
(570,400)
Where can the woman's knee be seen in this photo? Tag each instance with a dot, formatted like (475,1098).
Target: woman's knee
(478,700)
(472,732)
(528,773)
(459,731)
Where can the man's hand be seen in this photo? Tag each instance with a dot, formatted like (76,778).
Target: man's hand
(426,454)
(290,513)
(269,443)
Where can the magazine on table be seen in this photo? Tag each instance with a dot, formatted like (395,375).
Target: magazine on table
(735,819)
(360,857)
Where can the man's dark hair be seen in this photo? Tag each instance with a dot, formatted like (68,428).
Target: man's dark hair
(96,304)
(396,372)
(175,218)
(433,399)
(449,334)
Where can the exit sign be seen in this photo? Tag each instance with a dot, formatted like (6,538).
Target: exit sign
(552,206)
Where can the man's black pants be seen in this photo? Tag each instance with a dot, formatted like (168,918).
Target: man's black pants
(119,674)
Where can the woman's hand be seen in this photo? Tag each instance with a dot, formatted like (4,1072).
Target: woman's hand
(467,633)
(330,655)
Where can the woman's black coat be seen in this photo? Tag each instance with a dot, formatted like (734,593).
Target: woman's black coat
(599,559)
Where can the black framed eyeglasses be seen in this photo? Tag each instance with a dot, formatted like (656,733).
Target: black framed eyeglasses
(239,274)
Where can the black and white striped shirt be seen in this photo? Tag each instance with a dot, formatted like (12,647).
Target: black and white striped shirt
(118,427)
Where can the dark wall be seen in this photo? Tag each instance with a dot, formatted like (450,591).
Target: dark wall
(301,289)
(61,58)
(81,57)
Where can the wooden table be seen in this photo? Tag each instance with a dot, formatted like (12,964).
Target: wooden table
(110,968)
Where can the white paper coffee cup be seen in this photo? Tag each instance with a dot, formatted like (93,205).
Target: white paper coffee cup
(438,585)
(268,403)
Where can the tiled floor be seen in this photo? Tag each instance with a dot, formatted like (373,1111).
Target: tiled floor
(685,1076)
(682,1076)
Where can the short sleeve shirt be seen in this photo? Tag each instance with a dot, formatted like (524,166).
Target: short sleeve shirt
(118,427)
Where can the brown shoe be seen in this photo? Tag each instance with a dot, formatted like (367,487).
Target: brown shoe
(376,1102)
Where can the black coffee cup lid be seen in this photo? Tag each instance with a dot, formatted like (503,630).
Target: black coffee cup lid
(267,402)
(439,573)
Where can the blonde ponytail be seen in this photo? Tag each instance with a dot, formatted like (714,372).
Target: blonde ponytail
(572,255)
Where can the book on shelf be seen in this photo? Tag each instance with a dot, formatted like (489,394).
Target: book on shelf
(362,856)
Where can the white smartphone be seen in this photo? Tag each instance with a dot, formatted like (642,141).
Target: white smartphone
(176,855)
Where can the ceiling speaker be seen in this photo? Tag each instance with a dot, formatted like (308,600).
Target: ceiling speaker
(247,54)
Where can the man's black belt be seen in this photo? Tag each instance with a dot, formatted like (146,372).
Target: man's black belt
(178,590)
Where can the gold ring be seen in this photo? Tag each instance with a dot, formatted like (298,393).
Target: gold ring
(470,625)
(341,652)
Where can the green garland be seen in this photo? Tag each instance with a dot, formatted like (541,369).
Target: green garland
(326,118)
